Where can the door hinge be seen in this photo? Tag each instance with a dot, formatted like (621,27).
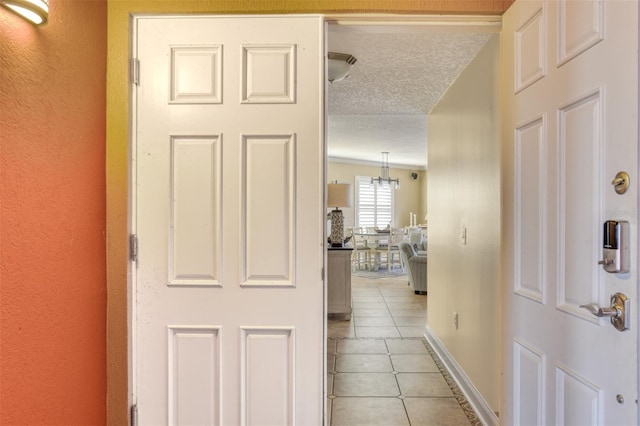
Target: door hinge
(135,71)
(322,272)
(133,247)
(134,415)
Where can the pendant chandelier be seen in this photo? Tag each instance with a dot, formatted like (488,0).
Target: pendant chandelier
(385,180)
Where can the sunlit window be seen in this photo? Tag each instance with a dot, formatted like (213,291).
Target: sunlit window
(374,204)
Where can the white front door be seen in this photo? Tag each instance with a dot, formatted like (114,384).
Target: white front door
(227,166)
(570,109)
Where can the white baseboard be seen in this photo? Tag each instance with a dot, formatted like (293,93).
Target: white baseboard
(480,406)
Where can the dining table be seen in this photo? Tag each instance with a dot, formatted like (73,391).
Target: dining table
(375,239)
(373,236)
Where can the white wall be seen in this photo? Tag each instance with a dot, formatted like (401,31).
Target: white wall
(410,197)
(464,190)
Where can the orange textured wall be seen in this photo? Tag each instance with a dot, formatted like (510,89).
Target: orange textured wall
(52,216)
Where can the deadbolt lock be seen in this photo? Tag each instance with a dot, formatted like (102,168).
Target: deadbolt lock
(621,182)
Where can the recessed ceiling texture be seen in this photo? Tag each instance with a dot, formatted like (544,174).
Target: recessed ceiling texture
(398,78)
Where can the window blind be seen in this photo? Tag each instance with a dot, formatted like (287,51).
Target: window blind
(374,204)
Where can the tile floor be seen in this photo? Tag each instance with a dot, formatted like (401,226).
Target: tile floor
(379,370)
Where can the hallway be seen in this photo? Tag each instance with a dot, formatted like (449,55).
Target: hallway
(381,370)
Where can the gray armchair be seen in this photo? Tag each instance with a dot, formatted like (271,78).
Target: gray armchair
(416,267)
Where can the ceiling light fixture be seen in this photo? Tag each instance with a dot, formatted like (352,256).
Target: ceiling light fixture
(339,65)
(34,11)
(385,181)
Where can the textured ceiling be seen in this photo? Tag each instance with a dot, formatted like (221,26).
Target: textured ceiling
(398,78)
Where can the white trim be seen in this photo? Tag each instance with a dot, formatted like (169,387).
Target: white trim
(373,163)
(477,402)
(343,22)
(132,283)
(376,22)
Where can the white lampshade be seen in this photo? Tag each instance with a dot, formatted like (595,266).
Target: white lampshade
(339,195)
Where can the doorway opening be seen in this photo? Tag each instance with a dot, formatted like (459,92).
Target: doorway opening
(255,275)
(401,74)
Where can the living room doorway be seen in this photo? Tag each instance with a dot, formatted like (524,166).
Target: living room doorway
(380,354)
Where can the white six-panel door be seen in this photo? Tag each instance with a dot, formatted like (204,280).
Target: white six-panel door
(228,183)
(570,73)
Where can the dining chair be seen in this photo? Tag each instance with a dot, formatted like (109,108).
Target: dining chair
(361,256)
(389,250)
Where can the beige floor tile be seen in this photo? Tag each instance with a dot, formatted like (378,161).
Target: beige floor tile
(409,331)
(381,331)
(360,292)
(401,299)
(368,346)
(435,411)
(374,321)
(357,281)
(330,381)
(348,333)
(368,299)
(369,305)
(414,364)
(405,305)
(364,284)
(420,313)
(368,412)
(395,292)
(365,384)
(331,363)
(410,321)
(340,329)
(371,312)
(331,346)
(423,384)
(391,286)
(363,363)
(374,345)
(406,347)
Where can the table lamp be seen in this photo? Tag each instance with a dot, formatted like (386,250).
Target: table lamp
(339,195)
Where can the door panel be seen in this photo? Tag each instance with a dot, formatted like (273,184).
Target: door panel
(530,166)
(580,178)
(268,225)
(228,197)
(193,375)
(570,93)
(195,232)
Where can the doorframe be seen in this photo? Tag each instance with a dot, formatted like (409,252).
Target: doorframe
(463,24)
(432,24)
(359,22)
